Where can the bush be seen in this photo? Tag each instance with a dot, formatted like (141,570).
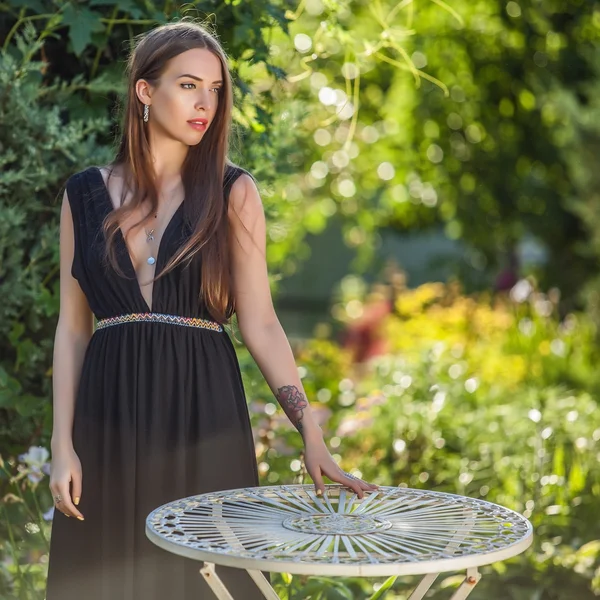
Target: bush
(492,398)
(38,152)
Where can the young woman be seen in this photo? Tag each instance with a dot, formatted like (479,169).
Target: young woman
(162,246)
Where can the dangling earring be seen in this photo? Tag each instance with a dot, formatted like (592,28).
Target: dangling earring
(146,110)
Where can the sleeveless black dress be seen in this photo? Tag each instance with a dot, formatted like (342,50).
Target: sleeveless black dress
(160,414)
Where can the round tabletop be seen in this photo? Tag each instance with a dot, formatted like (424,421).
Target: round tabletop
(289,529)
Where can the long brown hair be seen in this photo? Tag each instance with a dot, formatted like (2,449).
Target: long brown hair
(203,169)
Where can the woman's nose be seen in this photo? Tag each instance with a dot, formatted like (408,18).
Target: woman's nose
(204,101)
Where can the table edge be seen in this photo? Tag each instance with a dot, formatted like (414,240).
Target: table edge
(331,569)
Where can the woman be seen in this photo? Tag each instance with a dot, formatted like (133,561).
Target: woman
(162,246)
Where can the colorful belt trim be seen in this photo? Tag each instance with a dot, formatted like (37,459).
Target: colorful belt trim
(159,318)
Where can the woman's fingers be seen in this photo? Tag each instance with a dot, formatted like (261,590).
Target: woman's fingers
(65,504)
(76,487)
(365,484)
(360,483)
(371,487)
(349,481)
(318,481)
(354,484)
(357,485)
(57,497)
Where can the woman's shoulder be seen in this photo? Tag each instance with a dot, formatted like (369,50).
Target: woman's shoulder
(233,171)
(81,186)
(233,174)
(77,177)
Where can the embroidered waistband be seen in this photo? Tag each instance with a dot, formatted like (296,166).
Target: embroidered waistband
(159,318)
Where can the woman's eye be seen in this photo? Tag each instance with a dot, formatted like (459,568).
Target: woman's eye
(218,89)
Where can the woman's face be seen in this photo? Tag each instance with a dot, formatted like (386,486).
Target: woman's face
(188,91)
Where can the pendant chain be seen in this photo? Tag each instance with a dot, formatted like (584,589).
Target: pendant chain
(150,237)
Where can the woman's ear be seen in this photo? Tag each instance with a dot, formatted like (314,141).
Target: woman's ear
(143,91)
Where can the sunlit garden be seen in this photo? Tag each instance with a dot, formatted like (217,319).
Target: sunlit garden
(447,152)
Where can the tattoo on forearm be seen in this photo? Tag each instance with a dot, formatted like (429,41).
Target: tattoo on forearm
(293,403)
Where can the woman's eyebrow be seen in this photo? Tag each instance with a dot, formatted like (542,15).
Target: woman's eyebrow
(197,78)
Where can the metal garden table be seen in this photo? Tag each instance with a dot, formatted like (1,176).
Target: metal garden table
(289,529)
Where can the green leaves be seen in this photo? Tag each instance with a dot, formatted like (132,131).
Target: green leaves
(82,22)
(387,585)
(464,402)
(39,149)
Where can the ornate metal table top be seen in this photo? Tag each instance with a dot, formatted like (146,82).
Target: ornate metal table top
(288,528)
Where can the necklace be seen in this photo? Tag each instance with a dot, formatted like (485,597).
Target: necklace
(150,238)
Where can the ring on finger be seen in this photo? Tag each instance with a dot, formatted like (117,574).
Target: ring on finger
(350,476)
(58,498)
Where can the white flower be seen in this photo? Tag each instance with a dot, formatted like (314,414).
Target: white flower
(36,456)
(35,475)
(36,459)
(521,291)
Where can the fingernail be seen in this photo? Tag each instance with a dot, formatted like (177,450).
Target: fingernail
(319,492)
(81,518)
(66,515)
(76,500)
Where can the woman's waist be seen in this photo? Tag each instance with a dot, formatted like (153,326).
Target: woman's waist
(150,318)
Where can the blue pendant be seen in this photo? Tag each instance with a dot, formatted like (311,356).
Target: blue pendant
(151,260)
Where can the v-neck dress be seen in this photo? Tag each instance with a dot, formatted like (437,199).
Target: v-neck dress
(160,414)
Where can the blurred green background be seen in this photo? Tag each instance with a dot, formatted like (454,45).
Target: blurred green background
(428,170)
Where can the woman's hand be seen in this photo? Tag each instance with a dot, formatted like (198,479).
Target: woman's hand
(66,468)
(319,462)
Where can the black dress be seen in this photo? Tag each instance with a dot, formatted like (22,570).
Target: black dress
(160,414)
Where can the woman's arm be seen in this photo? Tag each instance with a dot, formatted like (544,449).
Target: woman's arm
(263,334)
(73,332)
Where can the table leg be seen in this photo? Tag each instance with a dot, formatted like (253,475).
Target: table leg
(466,587)
(263,585)
(221,592)
(423,587)
(216,585)
(214,581)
